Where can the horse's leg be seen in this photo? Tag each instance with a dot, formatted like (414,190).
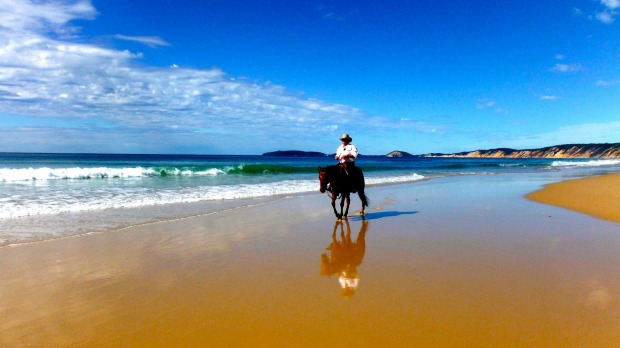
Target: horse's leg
(342,206)
(346,212)
(364,200)
(334,206)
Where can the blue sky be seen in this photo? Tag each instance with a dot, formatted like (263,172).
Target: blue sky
(246,77)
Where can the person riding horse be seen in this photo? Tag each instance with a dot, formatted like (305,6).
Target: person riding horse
(346,154)
(344,178)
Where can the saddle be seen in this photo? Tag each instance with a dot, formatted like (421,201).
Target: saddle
(350,170)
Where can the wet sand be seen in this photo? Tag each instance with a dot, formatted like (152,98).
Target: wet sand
(598,196)
(456,262)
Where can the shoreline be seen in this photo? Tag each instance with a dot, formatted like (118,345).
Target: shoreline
(240,204)
(562,193)
(133,196)
(172,212)
(572,194)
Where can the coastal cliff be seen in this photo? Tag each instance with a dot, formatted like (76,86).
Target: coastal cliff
(558,151)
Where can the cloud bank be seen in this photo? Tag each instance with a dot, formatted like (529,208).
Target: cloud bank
(45,72)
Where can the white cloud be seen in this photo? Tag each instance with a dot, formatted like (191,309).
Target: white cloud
(565,68)
(605,14)
(490,104)
(611,4)
(605,17)
(549,97)
(30,15)
(151,41)
(607,83)
(485,104)
(328,14)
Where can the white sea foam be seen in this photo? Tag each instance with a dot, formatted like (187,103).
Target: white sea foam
(77,201)
(41,174)
(592,163)
(212,171)
(30,174)
(512,165)
(393,179)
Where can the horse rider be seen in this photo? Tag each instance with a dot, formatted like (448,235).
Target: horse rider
(346,153)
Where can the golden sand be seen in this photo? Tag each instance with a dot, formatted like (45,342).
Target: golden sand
(435,265)
(596,196)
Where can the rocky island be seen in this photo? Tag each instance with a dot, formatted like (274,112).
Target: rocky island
(399,154)
(294,153)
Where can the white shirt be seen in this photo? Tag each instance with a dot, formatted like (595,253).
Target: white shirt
(350,149)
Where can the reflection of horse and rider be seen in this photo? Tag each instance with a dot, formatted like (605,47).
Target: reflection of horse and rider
(342,179)
(345,256)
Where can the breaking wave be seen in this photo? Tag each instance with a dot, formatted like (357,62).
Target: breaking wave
(78,173)
(591,163)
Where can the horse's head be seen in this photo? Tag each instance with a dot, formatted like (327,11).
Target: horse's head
(323,179)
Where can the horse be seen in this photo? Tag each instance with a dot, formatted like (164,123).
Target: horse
(340,181)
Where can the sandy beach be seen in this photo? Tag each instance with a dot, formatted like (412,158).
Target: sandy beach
(598,196)
(456,262)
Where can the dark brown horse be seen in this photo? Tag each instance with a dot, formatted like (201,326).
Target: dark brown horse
(340,182)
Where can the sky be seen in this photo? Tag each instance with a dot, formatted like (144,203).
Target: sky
(251,76)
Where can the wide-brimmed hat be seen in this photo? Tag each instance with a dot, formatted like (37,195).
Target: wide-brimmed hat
(346,137)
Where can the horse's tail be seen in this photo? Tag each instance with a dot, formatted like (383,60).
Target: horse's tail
(364,198)
(361,187)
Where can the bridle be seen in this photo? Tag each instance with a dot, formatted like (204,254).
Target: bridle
(328,186)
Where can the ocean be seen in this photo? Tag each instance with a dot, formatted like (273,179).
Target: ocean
(47,196)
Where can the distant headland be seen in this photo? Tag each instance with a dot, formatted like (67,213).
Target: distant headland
(558,151)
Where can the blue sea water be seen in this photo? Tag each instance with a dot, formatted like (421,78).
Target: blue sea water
(44,196)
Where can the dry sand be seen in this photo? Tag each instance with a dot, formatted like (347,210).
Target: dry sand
(597,196)
(457,262)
